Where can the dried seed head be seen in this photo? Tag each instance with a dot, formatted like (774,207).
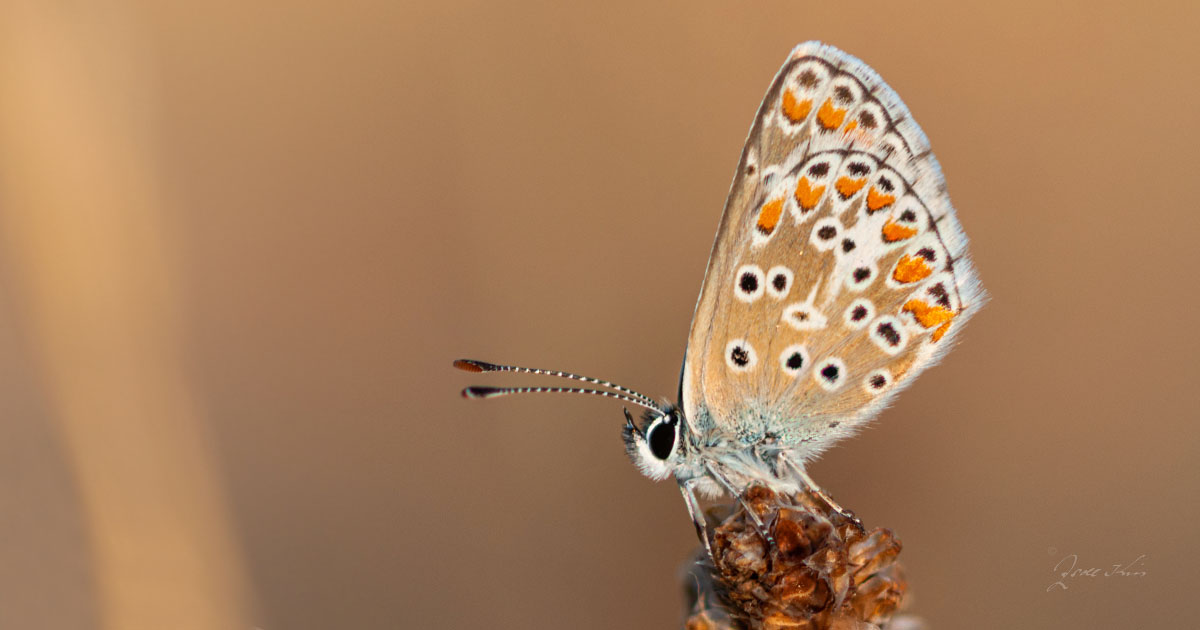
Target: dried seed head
(824,570)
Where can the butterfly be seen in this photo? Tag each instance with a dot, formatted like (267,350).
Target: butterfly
(839,273)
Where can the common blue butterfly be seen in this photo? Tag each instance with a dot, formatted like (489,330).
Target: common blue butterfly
(839,273)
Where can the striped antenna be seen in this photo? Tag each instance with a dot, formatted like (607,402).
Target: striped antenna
(471,365)
(496,392)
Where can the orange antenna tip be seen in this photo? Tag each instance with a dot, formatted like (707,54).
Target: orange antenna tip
(469,365)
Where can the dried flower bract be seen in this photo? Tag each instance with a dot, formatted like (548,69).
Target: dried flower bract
(824,570)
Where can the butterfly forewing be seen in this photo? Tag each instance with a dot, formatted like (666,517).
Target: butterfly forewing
(839,271)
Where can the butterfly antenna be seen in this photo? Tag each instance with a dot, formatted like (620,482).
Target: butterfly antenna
(496,392)
(471,365)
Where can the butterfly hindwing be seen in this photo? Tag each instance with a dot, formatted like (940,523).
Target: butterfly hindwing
(839,271)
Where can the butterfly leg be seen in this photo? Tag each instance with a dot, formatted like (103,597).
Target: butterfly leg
(687,488)
(815,489)
(758,524)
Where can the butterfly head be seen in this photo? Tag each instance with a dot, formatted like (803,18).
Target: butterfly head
(658,447)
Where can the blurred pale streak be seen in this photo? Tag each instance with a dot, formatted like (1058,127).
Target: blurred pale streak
(90,246)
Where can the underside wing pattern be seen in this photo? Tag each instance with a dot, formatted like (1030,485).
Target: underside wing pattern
(840,270)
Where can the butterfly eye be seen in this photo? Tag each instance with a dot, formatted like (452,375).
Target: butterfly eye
(661,438)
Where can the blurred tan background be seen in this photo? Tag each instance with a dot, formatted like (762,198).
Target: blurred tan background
(241,245)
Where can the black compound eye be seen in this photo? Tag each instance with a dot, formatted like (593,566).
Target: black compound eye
(662,439)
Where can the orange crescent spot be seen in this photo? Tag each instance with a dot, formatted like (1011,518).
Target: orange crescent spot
(850,126)
(930,316)
(877,200)
(911,269)
(847,186)
(893,232)
(768,217)
(796,111)
(806,195)
(830,118)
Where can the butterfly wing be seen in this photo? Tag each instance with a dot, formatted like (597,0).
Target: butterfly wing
(839,272)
